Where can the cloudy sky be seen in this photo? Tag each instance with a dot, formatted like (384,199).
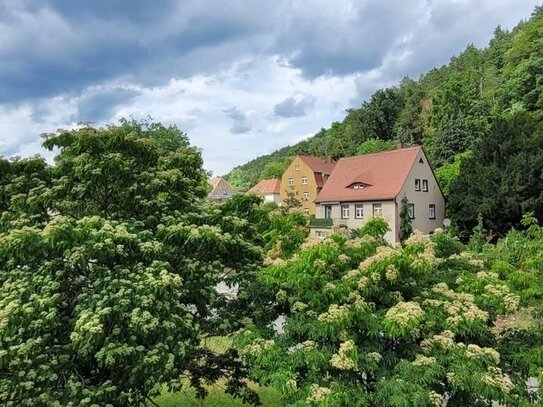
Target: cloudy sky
(242,78)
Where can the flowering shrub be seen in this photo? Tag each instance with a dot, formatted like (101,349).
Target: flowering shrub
(374,325)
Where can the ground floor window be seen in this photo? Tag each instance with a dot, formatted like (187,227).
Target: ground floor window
(344,211)
(327,211)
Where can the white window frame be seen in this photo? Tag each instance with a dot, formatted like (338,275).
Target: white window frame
(306,196)
(291,181)
(424,185)
(432,211)
(297,167)
(344,211)
(304,180)
(306,211)
(417,184)
(359,211)
(378,206)
(327,211)
(358,186)
(411,210)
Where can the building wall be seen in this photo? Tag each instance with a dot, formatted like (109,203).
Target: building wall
(422,199)
(298,188)
(275,198)
(388,209)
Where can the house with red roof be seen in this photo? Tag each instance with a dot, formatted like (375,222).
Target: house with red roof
(373,185)
(220,189)
(269,189)
(304,178)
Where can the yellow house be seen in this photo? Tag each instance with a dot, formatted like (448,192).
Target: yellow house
(305,177)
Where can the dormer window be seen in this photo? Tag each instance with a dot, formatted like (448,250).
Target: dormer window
(358,185)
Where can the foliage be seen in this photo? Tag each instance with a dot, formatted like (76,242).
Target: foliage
(367,324)
(502,177)
(375,227)
(109,263)
(406,227)
(448,173)
(375,146)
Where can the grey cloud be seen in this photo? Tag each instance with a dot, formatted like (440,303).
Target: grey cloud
(241,123)
(292,107)
(99,107)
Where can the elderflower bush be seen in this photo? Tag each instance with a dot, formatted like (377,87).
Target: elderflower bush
(367,324)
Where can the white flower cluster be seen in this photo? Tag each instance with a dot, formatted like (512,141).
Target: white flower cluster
(319,263)
(341,360)
(373,357)
(468,257)
(363,282)
(460,306)
(268,261)
(422,360)
(383,253)
(317,394)
(358,302)
(444,340)
(436,399)
(391,273)
(404,313)
(510,300)
(360,241)
(475,351)
(497,379)
(343,258)
(303,346)
(258,345)
(298,306)
(291,384)
(417,237)
(335,313)
(329,287)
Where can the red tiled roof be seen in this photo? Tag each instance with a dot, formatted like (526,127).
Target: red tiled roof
(267,186)
(382,174)
(318,164)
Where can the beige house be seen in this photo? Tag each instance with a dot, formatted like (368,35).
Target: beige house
(305,178)
(269,189)
(220,189)
(373,185)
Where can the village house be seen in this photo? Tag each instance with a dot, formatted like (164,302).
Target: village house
(373,185)
(220,189)
(304,178)
(269,189)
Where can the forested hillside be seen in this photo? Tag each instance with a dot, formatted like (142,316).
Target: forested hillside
(479,119)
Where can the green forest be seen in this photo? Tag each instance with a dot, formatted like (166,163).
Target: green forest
(113,263)
(478,118)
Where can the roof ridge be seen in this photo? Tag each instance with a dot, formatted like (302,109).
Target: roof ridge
(381,153)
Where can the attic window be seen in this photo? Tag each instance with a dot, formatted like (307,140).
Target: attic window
(421,161)
(358,185)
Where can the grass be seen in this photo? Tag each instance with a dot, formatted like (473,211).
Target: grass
(216,397)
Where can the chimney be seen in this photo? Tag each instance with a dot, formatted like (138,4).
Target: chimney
(399,145)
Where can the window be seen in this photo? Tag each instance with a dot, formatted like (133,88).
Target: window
(306,211)
(358,186)
(327,211)
(297,167)
(223,192)
(344,211)
(291,181)
(306,196)
(320,234)
(417,184)
(377,210)
(432,211)
(411,210)
(359,211)
(425,185)
(304,180)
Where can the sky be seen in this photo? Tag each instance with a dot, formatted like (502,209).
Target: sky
(241,78)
